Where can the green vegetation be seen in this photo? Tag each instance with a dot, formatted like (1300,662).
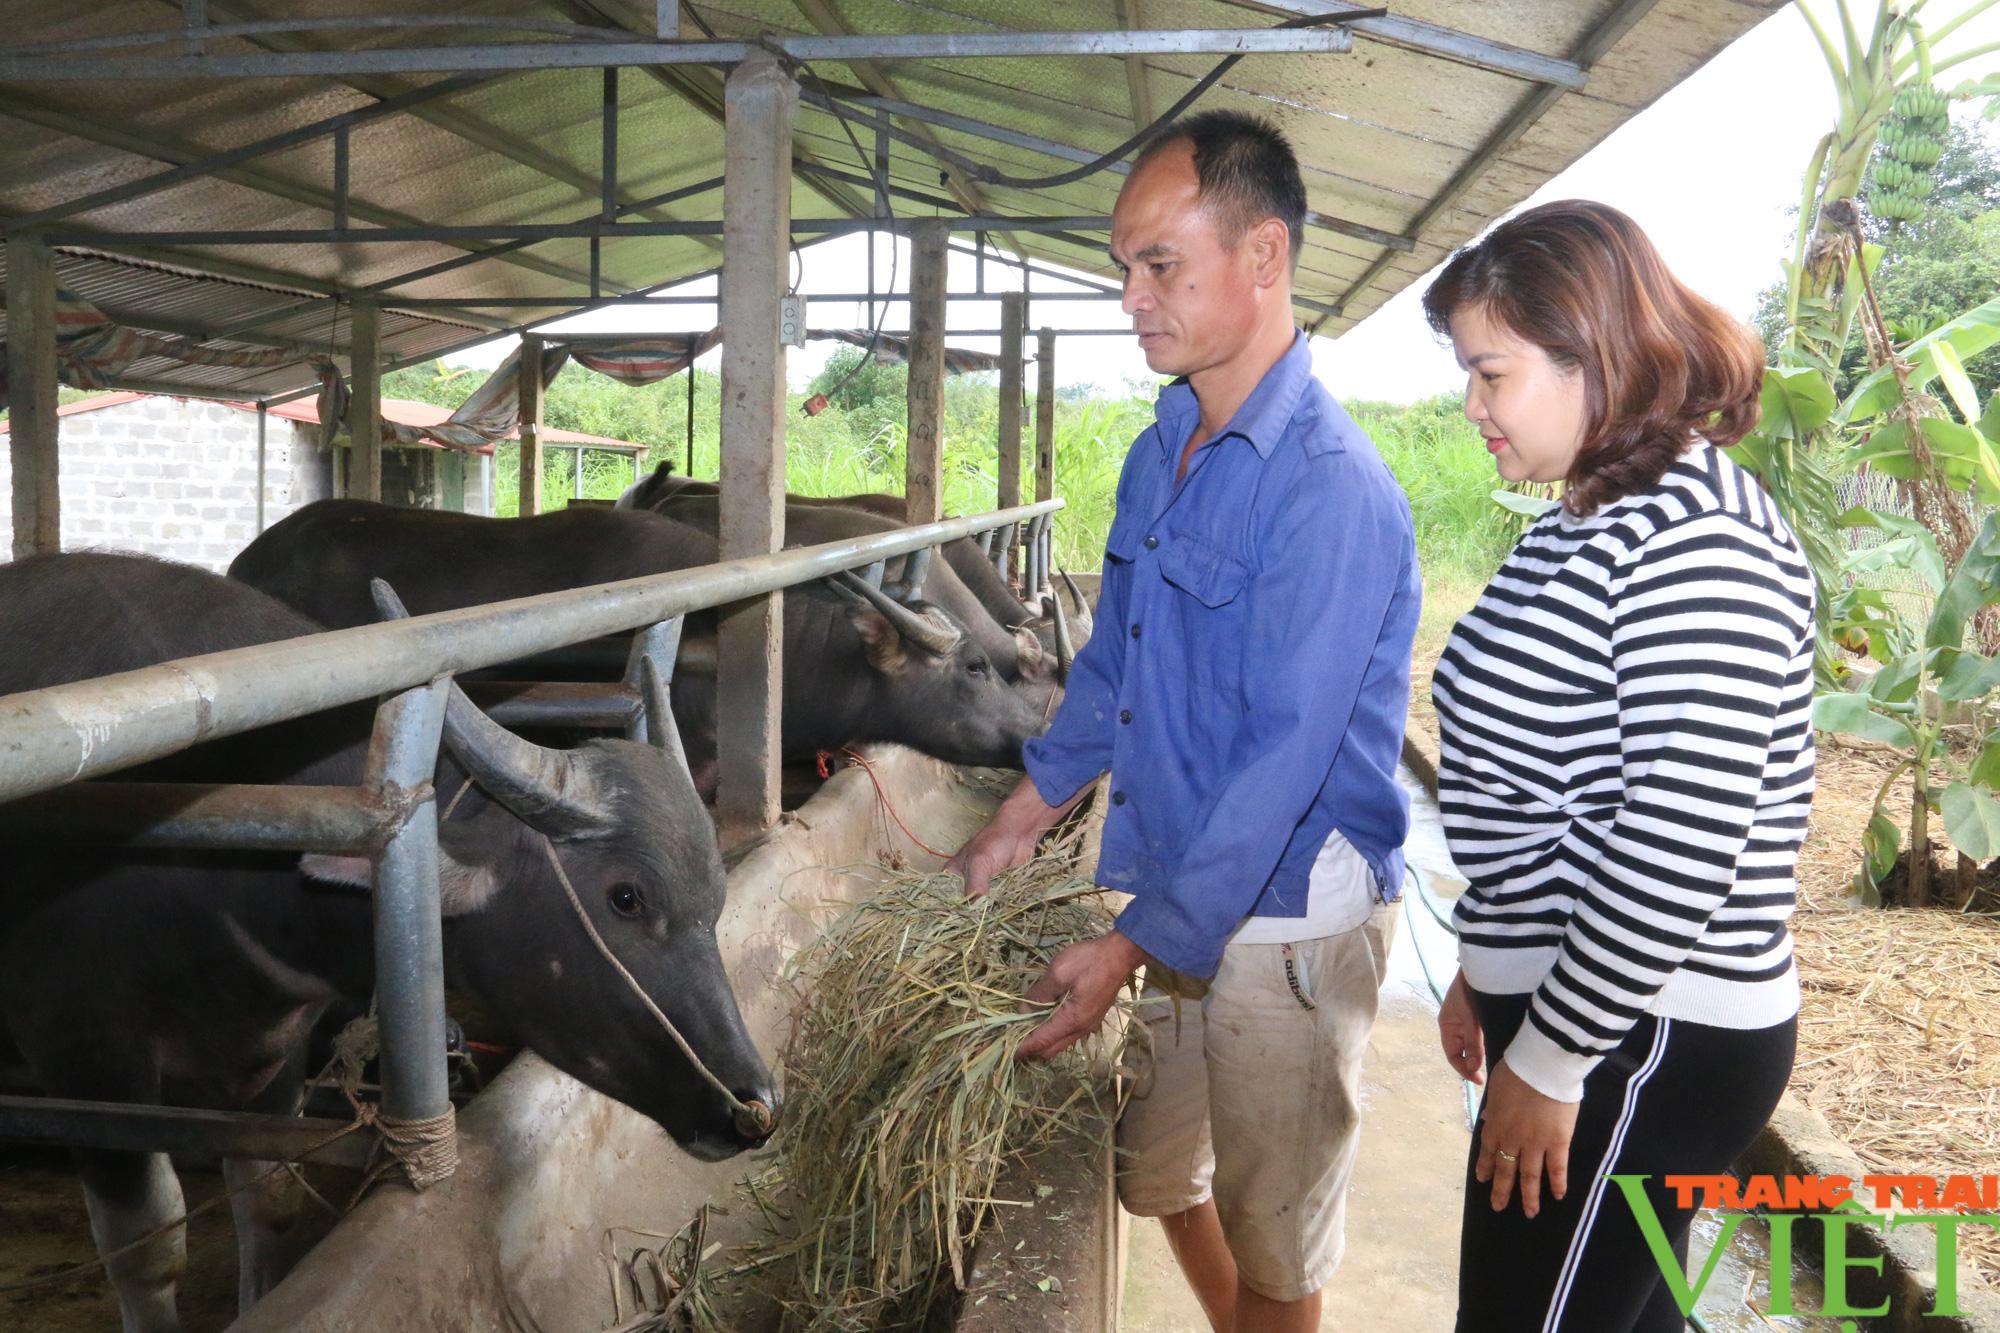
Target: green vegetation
(1882,338)
(856,445)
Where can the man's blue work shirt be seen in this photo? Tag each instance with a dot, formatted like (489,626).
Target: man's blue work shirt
(1249,674)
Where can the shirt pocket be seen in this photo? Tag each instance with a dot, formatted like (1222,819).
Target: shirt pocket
(1122,542)
(1202,570)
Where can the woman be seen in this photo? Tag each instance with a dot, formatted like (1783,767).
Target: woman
(1626,766)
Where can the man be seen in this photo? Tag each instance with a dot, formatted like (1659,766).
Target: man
(1246,687)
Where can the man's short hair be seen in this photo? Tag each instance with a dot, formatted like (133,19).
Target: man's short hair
(1246,169)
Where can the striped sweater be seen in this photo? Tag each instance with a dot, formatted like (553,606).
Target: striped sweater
(1626,764)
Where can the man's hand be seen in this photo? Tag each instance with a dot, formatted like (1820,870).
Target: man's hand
(1524,1137)
(1458,1031)
(1009,838)
(1085,977)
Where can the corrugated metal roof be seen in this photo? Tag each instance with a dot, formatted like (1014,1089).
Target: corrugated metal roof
(1384,134)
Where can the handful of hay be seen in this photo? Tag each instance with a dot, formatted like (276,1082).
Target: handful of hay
(904,1100)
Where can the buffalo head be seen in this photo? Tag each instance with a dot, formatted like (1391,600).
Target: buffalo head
(634,841)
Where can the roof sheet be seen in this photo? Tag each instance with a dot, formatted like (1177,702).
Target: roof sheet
(1397,140)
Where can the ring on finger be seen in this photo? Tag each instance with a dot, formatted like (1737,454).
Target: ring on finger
(1510,1158)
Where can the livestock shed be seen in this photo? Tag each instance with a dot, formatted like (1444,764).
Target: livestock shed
(194,480)
(267,205)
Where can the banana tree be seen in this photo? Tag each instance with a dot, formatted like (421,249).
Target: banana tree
(1921,680)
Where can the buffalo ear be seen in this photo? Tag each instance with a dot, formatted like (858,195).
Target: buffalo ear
(349,872)
(463,886)
(880,643)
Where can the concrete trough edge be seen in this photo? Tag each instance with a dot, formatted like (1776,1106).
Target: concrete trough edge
(548,1166)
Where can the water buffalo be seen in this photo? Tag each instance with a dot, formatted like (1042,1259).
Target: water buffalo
(663,486)
(192,978)
(1011,644)
(883,671)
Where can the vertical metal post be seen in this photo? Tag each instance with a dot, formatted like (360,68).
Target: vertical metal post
(486,483)
(666,19)
(531,425)
(1013,336)
(608,205)
(364,403)
(638,466)
(1003,549)
(409,933)
(263,424)
(1045,415)
(760,104)
(341,168)
(881,167)
(576,475)
(924,439)
(31,377)
(916,568)
(688,471)
(871,277)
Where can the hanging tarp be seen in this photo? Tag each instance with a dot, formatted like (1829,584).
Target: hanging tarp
(93,351)
(892,350)
(493,412)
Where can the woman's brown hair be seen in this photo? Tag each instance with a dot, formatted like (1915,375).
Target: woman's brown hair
(1660,364)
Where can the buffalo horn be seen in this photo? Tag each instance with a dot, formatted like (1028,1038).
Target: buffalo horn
(546,788)
(1065,653)
(660,727)
(927,634)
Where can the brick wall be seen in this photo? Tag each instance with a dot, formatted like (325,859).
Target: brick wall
(175,477)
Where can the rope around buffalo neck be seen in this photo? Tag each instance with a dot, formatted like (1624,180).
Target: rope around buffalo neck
(756,1112)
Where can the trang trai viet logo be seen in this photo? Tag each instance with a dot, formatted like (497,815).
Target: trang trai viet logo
(1942,1205)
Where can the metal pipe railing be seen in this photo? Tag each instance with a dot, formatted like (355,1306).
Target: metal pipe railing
(85,729)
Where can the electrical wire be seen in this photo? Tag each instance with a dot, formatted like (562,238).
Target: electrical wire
(879,173)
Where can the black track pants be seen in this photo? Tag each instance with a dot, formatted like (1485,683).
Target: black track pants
(1677,1098)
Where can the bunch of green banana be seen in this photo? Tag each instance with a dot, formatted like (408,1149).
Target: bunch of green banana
(1911,142)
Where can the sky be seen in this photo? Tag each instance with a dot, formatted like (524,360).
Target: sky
(1710,171)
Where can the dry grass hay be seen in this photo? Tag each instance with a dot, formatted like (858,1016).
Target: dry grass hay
(903,1103)
(904,1099)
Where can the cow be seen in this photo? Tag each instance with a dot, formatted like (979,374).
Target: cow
(885,670)
(193,978)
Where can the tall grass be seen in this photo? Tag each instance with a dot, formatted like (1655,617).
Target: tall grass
(1445,469)
(1435,453)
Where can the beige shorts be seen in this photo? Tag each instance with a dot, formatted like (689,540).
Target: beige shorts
(1255,1102)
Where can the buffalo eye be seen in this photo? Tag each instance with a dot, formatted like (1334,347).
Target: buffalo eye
(626,899)
(977,666)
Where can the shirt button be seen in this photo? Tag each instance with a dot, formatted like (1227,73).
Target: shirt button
(1125,716)
(1135,631)
(1117,798)
(1152,543)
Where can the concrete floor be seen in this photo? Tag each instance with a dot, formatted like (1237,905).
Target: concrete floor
(1403,1210)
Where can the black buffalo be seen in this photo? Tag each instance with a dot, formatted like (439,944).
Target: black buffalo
(193,978)
(882,671)
(663,489)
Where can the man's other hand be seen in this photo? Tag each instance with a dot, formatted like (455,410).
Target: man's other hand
(1009,838)
(1085,977)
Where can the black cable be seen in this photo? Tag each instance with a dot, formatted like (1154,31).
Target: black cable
(879,173)
(986,175)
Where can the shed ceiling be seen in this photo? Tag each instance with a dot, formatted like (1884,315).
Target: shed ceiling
(1421,147)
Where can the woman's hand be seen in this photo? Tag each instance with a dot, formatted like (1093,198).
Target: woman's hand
(1458,1031)
(1523,1138)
